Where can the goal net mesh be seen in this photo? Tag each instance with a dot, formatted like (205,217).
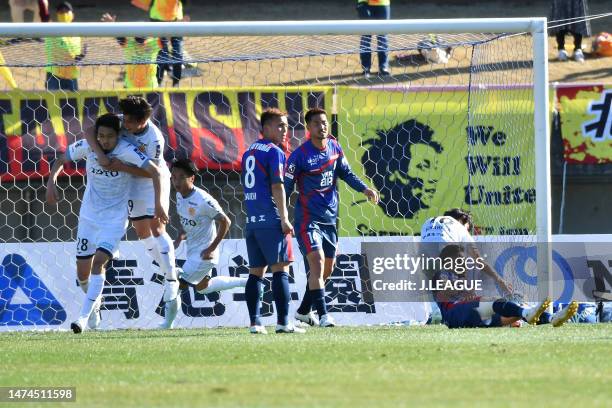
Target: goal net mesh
(451,126)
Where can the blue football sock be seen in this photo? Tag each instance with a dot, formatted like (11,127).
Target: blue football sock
(545,318)
(282,296)
(253,292)
(318,301)
(306,304)
(507,308)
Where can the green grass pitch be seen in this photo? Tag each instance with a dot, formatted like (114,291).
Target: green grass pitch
(339,367)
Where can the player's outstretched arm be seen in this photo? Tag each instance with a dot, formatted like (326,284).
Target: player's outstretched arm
(155,174)
(488,270)
(223,225)
(346,173)
(278,193)
(52,195)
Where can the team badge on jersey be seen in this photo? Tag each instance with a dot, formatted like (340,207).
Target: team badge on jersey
(290,171)
(192,211)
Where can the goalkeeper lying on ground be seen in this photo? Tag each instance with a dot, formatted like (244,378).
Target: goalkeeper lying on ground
(461,308)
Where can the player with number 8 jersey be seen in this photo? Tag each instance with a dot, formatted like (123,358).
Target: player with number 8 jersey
(268,230)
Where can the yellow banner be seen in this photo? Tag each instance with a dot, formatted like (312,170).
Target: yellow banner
(417,150)
(586,123)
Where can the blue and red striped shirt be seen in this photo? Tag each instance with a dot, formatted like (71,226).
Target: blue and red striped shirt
(315,172)
(263,164)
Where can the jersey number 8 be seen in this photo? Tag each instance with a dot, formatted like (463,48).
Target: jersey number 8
(249,175)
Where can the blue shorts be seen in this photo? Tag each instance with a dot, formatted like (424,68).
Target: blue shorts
(465,315)
(268,246)
(315,236)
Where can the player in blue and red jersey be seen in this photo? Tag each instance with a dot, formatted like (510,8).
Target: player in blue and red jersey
(463,308)
(315,167)
(268,230)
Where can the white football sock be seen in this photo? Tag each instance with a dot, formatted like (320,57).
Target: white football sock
(171,289)
(166,252)
(171,309)
(485,310)
(84,284)
(94,293)
(526,311)
(223,283)
(150,244)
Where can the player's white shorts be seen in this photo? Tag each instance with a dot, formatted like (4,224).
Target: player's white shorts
(195,269)
(141,200)
(92,236)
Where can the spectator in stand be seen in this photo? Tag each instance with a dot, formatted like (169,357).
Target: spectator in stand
(374,10)
(169,10)
(570,13)
(39,9)
(63,55)
(141,54)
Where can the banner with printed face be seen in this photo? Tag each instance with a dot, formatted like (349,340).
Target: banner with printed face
(420,151)
(213,127)
(586,123)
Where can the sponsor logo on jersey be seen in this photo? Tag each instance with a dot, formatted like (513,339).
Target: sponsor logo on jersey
(140,154)
(107,173)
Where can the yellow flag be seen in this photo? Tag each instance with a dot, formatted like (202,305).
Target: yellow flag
(5,73)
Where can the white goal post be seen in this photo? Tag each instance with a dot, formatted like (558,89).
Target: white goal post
(536,28)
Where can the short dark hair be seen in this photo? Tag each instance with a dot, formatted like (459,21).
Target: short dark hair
(136,106)
(64,5)
(451,251)
(269,114)
(186,165)
(461,215)
(110,120)
(313,112)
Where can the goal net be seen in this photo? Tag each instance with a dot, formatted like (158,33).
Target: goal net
(452,125)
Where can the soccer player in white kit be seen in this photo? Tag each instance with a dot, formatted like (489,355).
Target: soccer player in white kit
(140,131)
(453,228)
(199,212)
(103,215)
